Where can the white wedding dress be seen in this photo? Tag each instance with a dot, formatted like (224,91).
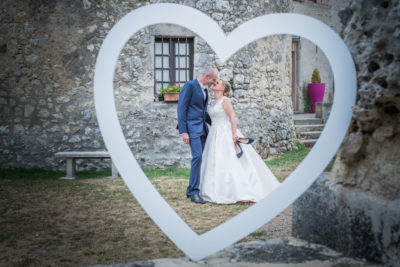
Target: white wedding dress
(224,178)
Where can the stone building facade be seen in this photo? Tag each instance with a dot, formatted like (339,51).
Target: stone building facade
(306,56)
(48,53)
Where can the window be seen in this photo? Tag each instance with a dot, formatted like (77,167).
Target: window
(173,61)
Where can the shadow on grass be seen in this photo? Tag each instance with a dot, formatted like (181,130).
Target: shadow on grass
(46,174)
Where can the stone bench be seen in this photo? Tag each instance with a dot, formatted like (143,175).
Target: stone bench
(71,156)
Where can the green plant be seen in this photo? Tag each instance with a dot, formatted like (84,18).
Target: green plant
(258,234)
(176,88)
(315,78)
(306,99)
(231,82)
(330,165)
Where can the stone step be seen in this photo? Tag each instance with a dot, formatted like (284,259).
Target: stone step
(309,128)
(307,121)
(309,142)
(309,135)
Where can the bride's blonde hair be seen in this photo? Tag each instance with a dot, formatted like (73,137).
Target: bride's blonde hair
(227,87)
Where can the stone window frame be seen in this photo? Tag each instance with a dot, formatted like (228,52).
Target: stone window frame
(171,44)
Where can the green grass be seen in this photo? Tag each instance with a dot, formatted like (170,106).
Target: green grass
(294,156)
(290,158)
(32,174)
(73,217)
(171,172)
(330,165)
(283,165)
(258,234)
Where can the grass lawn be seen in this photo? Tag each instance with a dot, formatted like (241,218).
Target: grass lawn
(92,220)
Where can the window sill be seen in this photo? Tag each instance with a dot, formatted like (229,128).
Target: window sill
(157,100)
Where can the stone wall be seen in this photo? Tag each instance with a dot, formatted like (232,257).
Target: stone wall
(48,52)
(361,197)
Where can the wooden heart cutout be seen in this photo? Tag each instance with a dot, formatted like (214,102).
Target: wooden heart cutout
(199,246)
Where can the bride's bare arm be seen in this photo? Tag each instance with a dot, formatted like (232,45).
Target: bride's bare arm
(226,104)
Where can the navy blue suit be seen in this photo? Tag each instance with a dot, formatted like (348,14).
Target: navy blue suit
(192,118)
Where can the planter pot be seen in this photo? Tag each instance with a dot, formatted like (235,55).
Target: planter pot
(316,93)
(171,97)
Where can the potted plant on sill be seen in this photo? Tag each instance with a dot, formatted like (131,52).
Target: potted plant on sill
(171,92)
(316,89)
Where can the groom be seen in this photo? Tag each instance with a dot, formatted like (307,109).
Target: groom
(192,117)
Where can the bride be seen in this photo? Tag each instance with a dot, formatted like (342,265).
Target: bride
(231,170)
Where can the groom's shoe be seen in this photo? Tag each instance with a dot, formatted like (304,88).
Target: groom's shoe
(187,195)
(197,199)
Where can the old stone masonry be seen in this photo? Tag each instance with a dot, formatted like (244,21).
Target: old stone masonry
(48,52)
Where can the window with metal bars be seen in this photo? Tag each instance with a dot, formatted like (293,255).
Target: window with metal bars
(173,61)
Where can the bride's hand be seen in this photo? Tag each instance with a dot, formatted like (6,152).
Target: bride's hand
(235,138)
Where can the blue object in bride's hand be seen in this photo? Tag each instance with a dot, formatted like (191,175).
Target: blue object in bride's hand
(245,140)
(239,151)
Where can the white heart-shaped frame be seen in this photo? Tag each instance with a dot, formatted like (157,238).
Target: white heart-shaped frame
(199,246)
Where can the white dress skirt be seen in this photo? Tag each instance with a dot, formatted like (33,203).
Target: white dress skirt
(224,178)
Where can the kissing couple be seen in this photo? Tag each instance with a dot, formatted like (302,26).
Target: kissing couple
(225,168)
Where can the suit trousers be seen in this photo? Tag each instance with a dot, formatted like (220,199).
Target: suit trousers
(196,146)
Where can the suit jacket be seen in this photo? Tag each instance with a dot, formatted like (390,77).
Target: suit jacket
(192,110)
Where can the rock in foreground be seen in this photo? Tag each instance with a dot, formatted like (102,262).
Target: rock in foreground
(287,251)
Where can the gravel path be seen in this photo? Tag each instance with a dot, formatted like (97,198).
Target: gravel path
(280,226)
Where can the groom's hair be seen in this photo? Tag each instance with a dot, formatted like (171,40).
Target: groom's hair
(209,71)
